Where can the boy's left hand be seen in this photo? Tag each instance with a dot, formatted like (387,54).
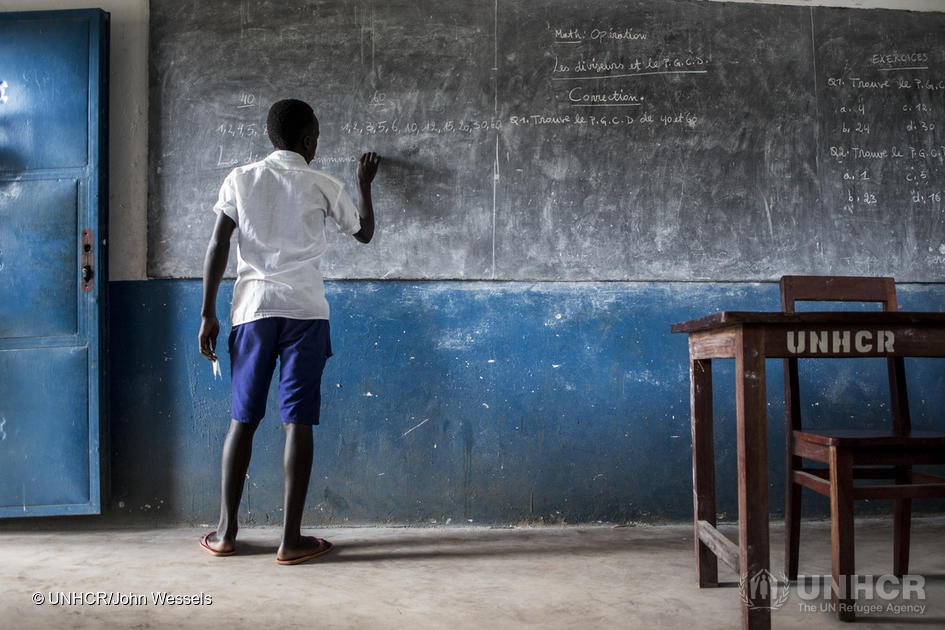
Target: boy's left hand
(209,329)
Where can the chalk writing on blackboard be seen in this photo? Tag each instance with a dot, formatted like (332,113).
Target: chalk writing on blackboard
(885,123)
(688,119)
(601,73)
(578,35)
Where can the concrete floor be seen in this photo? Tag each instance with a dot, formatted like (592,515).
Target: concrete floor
(549,577)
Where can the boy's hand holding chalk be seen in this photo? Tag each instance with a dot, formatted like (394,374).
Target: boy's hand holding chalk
(209,329)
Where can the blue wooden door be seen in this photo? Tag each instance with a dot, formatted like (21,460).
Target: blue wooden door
(53,276)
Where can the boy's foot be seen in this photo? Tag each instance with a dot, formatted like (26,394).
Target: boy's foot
(216,546)
(309,547)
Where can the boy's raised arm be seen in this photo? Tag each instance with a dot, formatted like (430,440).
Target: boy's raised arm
(367,169)
(214,265)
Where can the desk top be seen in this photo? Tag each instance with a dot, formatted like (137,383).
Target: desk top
(725,319)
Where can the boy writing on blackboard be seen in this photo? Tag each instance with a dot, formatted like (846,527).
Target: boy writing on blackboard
(278,207)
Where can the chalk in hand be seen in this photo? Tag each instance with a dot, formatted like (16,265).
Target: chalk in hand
(217,373)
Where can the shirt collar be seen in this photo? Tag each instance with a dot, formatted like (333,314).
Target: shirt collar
(288,158)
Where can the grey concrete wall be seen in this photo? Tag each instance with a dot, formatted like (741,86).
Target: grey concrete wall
(906,5)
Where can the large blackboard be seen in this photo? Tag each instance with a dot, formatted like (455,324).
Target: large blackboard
(556,140)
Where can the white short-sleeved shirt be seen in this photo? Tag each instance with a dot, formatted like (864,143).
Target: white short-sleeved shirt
(279,205)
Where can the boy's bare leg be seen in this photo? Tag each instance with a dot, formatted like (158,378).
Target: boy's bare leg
(297,468)
(237,450)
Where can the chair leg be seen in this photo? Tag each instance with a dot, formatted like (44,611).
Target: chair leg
(792,522)
(841,532)
(902,521)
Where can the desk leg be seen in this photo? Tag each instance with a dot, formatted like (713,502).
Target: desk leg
(703,466)
(753,550)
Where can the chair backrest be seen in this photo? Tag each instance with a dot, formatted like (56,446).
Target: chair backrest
(837,289)
(844,289)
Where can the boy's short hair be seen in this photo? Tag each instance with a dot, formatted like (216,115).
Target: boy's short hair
(287,120)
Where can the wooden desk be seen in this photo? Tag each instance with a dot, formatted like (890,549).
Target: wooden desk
(750,338)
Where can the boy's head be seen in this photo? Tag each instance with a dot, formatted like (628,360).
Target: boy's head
(292,126)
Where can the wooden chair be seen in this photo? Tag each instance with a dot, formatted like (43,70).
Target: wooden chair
(887,454)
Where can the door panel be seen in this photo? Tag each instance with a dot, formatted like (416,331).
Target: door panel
(55,469)
(37,262)
(47,92)
(53,202)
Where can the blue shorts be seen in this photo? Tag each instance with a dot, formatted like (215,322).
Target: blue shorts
(302,347)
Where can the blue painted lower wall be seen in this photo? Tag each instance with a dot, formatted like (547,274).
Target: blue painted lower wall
(468,402)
